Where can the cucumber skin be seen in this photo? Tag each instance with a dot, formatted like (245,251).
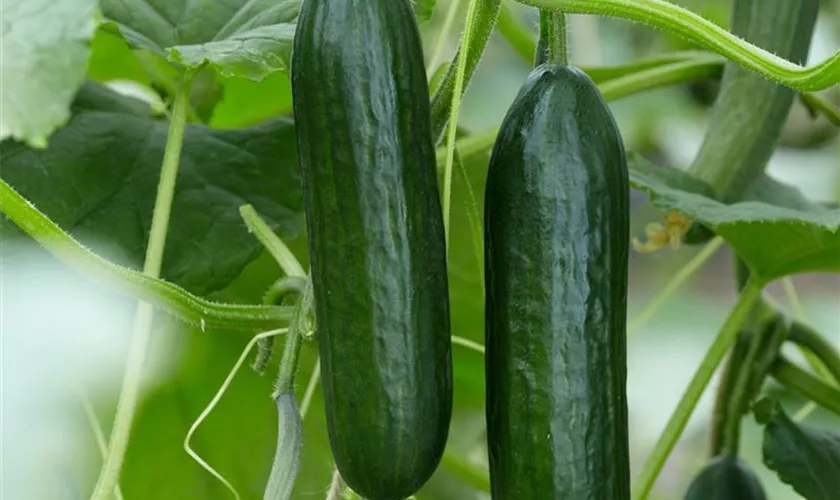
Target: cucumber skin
(556,247)
(725,477)
(376,241)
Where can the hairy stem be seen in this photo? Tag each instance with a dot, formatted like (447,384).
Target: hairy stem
(461,76)
(479,27)
(445,30)
(132,380)
(552,46)
(301,325)
(680,21)
(171,298)
(676,424)
(617,88)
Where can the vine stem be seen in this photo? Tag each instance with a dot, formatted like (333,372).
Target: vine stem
(275,246)
(451,131)
(98,435)
(443,35)
(812,343)
(675,283)
(646,78)
(676,424)
(553,45)
(680,21)
(314,378)
(469,344)
(167,296)
(798,380)
(132,380)
(799,312)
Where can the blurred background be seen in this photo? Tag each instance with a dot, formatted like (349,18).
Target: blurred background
(64,340)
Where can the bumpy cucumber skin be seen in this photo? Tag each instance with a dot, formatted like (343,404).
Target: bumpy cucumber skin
(725,477)
(376,241)
(556,247)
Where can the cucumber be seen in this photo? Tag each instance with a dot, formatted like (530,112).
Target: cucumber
(376,241)
(725,477)
(556,247)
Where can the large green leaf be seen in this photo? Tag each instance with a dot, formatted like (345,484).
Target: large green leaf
(808,459)
(246,102)
(43,53)
(248,38)
(98,178)
(786,236)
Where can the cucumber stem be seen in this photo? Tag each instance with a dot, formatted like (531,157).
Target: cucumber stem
(677,20)
(552,46)
(130,392)
(676,424)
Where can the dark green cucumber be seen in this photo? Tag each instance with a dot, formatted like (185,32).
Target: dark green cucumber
(376,241)
(556,247)
(725,477)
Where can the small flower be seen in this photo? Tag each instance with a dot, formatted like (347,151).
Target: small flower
(661,235)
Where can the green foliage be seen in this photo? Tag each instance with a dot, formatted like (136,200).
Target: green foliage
(240,37)
(43,51)
(90,158)
(775,239)
(808,459)
(98,177)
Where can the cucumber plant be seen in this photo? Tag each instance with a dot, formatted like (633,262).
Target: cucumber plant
(199,157)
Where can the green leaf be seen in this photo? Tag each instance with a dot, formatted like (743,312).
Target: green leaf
(98,177)
(111,58)
(808,459)
(778,238)
(423,10)
(246,102)
(248,38)
(43,54)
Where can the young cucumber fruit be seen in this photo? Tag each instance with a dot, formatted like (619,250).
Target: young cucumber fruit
(376,241)
(556,246)
(725,477)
